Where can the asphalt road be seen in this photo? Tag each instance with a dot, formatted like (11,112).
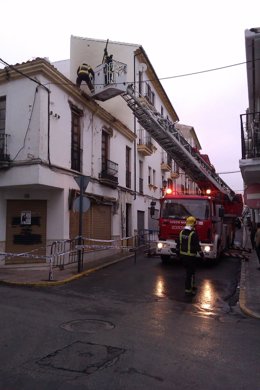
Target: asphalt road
(130,326)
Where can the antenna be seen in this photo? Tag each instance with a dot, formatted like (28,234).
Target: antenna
(105,52)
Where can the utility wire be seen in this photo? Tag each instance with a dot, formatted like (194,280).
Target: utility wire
(206,71)
(161,78)
(23,74)
(28,127)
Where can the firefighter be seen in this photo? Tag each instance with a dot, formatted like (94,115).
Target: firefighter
(188,246)
(108,68)
(86,73)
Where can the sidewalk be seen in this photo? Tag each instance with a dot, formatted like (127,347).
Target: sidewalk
(39,275)
(249,297)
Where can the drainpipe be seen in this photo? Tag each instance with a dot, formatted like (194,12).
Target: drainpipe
(134,139)
(48,104)
(48,118)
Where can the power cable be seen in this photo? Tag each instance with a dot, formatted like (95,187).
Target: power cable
(28,127)
(23,74)
(161,78)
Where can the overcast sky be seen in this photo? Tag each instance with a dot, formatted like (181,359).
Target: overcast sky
(179,37)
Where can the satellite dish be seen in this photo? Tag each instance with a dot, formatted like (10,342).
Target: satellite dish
(142,67)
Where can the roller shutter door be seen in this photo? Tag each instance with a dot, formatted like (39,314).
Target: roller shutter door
(96,222)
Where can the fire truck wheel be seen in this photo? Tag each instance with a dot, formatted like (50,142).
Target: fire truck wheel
(165,259)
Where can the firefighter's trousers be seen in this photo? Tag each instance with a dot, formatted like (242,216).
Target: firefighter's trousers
(189,263)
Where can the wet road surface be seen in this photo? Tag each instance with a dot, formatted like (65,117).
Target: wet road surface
(130,326)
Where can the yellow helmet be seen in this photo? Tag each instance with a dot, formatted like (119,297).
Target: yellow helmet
(191,221)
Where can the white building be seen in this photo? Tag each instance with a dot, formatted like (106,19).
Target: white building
(52,133)
(150,164)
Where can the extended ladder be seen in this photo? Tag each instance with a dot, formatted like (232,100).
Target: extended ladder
(172,141)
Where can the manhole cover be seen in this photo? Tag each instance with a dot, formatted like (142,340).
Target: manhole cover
(81,357)
(87,325)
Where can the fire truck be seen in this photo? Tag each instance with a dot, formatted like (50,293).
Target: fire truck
(216,207)
(216,216)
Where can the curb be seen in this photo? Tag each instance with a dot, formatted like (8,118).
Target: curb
(242,294)
(64,281)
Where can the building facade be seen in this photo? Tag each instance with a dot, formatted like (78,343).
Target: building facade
(150,165)
(53,134)
(250,127)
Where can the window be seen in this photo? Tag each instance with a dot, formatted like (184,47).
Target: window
(150,96)
(149,175)
(109,169)
(162,111)
(154,177)
(2,114)
(176,167)
(128,167)
(140,85)
(182,208)
(76,151)
(141,180)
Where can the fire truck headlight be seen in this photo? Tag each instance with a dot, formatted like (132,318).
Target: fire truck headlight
(206,248)
(162,245)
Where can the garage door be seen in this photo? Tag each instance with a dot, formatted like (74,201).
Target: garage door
(96,222)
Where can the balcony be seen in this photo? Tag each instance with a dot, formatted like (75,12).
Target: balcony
(4,155)
(109,174)
(145,146)
(250,142)
(166,162)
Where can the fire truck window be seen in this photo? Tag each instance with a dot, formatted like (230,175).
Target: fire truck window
(182,208)
(175,211)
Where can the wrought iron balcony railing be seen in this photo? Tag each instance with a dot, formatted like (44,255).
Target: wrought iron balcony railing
(109,173)
(250,135)
(145,140)
(4,155)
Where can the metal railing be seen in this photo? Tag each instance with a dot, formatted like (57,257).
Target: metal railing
(109,171)
(144,138)
(250,135)
(4,155)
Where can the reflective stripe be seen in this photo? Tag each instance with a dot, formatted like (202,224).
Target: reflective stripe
(84,69)
(188,253)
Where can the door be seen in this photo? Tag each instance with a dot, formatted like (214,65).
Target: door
(26,230)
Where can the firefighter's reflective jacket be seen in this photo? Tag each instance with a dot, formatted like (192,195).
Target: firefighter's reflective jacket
(188,243)
(85,69)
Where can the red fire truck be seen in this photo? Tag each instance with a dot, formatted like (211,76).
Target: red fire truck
(216,218)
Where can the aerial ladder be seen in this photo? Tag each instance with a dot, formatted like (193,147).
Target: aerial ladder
(162,130)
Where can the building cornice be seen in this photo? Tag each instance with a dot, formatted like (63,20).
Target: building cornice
(142,57)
